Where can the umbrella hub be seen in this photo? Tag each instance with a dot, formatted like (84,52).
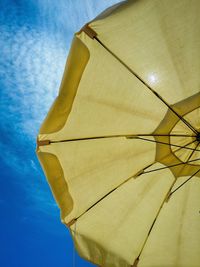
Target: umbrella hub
(183,144)
(198,137)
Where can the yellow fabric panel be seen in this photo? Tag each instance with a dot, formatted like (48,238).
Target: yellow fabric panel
(55,177)
(92,168)
(175,238)
(109,100)
(76,62)
(113,232)
(194,116)
(159,40)
(186,107)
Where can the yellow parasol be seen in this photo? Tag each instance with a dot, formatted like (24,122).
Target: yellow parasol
(121,144)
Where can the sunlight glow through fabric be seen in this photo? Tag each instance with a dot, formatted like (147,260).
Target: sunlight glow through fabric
(121,144)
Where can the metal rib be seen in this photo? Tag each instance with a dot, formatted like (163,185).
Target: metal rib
(159,142)
(128,136)
(170,166)
(184,183)
(195,149)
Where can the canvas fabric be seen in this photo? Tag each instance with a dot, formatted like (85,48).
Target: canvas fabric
(101,130)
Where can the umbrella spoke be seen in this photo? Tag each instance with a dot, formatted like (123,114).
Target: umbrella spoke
(154,92)
(111,191)
(128,136)
(142,171)
(166,167)
(192,152)
(184,146)
(164,143)
(174,135)
(155,219)
(178,149)
(184,183)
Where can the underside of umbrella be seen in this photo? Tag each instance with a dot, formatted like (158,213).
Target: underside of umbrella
(121,145)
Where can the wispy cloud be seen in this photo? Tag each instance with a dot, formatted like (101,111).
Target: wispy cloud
(34,43)
(31,67)
(33,59)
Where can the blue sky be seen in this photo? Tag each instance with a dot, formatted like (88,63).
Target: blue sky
(35,37)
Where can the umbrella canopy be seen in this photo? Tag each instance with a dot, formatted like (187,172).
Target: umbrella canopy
(121,145)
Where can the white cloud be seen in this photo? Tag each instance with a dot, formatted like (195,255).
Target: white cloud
(32,60)
(32,69)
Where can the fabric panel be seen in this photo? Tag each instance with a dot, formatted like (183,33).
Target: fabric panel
(55,177)
(158,42)
(112,233)
(58,114)
(92,168)
(175,239)
(109,100)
